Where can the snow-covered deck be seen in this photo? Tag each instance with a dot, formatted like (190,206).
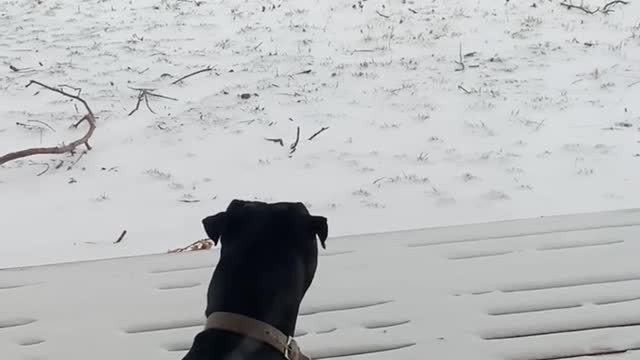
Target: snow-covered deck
(549,288)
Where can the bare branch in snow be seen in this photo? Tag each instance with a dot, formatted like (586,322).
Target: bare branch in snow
(61,149)
(318,133)
(208,68)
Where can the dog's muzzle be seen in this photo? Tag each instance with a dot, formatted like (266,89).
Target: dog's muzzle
(258,330)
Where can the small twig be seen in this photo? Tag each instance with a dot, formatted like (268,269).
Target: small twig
(146,101)
(77,160)
(318,133)
(43,123)
(189,201)
(465,90)
(141,89)
(77,123)
(124,232)
(605,8)
(634,83)
(378,180)
(15,69)
(140,96)
(461,61)
(149,93)
(383,15)
(208,68)
(413,11)
(257,46)
(278,141)
(294,146)
(303,72)
(144,95)
(79,90)
(45,169)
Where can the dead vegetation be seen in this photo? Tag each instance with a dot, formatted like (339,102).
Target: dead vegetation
(204,244)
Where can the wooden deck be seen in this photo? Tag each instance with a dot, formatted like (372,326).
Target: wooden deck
(539,289)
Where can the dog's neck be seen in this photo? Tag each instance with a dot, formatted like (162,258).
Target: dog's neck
(276,304)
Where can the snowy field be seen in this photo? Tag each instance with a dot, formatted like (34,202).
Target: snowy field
(436,113)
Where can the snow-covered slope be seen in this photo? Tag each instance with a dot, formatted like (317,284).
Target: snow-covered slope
(542,120)
(552,288)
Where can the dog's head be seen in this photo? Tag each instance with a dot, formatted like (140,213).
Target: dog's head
(254,228)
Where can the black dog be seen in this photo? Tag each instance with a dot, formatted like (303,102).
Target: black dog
(267,262)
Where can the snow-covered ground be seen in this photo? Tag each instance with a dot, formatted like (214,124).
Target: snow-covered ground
(542,119)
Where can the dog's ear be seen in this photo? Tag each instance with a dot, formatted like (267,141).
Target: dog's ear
(215,225)
(320,228)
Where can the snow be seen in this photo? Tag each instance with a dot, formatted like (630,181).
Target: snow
(543,120)
(395,295)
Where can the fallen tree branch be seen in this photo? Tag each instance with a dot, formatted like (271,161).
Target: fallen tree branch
(318,133)
(606,9)
(570,6)
(208,68)
(61,149)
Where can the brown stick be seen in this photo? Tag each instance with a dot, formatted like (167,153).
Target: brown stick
(146,101)
(295,144)
(140,97)
(463,89)
(89,118)
(318,133)
(208,68)
(461,61)
(277,141)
